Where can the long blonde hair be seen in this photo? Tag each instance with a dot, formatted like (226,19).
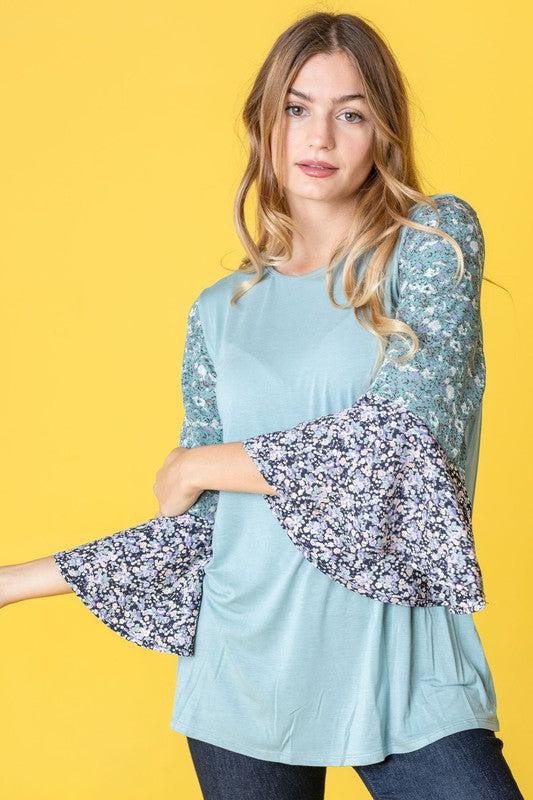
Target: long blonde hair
(384,200)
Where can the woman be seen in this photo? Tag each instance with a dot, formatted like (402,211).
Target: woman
(313,555)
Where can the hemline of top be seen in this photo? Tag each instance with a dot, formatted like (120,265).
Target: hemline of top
(357,759)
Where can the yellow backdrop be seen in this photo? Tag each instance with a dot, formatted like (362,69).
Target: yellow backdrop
(121,150)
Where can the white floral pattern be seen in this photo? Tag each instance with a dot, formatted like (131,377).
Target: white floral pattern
(145,582)
(374,496)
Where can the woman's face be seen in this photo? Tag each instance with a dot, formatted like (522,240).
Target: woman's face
(322,124)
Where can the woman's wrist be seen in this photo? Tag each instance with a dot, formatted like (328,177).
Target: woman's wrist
(30,579)
(224,467)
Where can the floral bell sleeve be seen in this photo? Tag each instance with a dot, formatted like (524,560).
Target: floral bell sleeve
(145,582)
(375,496)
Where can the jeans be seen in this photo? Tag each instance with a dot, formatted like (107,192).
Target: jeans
(468,765)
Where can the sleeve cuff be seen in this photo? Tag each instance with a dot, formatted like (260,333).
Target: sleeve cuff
(370,498)
(145,582)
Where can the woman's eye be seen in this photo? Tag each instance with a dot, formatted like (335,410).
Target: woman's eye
(289,108)
(353,113)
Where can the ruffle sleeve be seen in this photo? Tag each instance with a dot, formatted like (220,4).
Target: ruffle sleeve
(375,496)
(145,582)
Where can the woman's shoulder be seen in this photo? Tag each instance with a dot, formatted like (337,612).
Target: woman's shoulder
(212,304)
(423,260)
(455,216)
(452,210)
(220,291)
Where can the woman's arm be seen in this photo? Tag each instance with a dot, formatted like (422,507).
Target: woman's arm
(226,467)
(30,579)
(375,495)
(144,582)
(442,385)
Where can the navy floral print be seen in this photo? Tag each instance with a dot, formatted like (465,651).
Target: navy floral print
(374,496)
(370,499)
(145,582)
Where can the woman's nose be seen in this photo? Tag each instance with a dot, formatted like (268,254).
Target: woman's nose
(320,135)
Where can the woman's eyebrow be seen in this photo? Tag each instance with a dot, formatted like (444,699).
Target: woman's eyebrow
(342,99)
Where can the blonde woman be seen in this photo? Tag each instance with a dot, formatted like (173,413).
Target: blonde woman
(313,558)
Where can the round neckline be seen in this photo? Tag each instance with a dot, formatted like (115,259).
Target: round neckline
(274,271)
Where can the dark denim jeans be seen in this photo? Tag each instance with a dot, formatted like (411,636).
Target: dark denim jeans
(468,765)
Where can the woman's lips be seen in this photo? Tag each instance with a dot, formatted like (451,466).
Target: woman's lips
(317,172)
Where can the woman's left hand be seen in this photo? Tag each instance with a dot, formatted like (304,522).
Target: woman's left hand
(172,488)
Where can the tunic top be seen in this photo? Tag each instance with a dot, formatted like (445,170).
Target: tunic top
(324,634)
(288,664)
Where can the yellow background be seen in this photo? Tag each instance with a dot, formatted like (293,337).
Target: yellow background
(121,150)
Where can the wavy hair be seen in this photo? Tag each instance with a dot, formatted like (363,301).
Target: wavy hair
(384,199)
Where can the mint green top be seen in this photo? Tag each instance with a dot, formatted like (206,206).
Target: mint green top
(289,665)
